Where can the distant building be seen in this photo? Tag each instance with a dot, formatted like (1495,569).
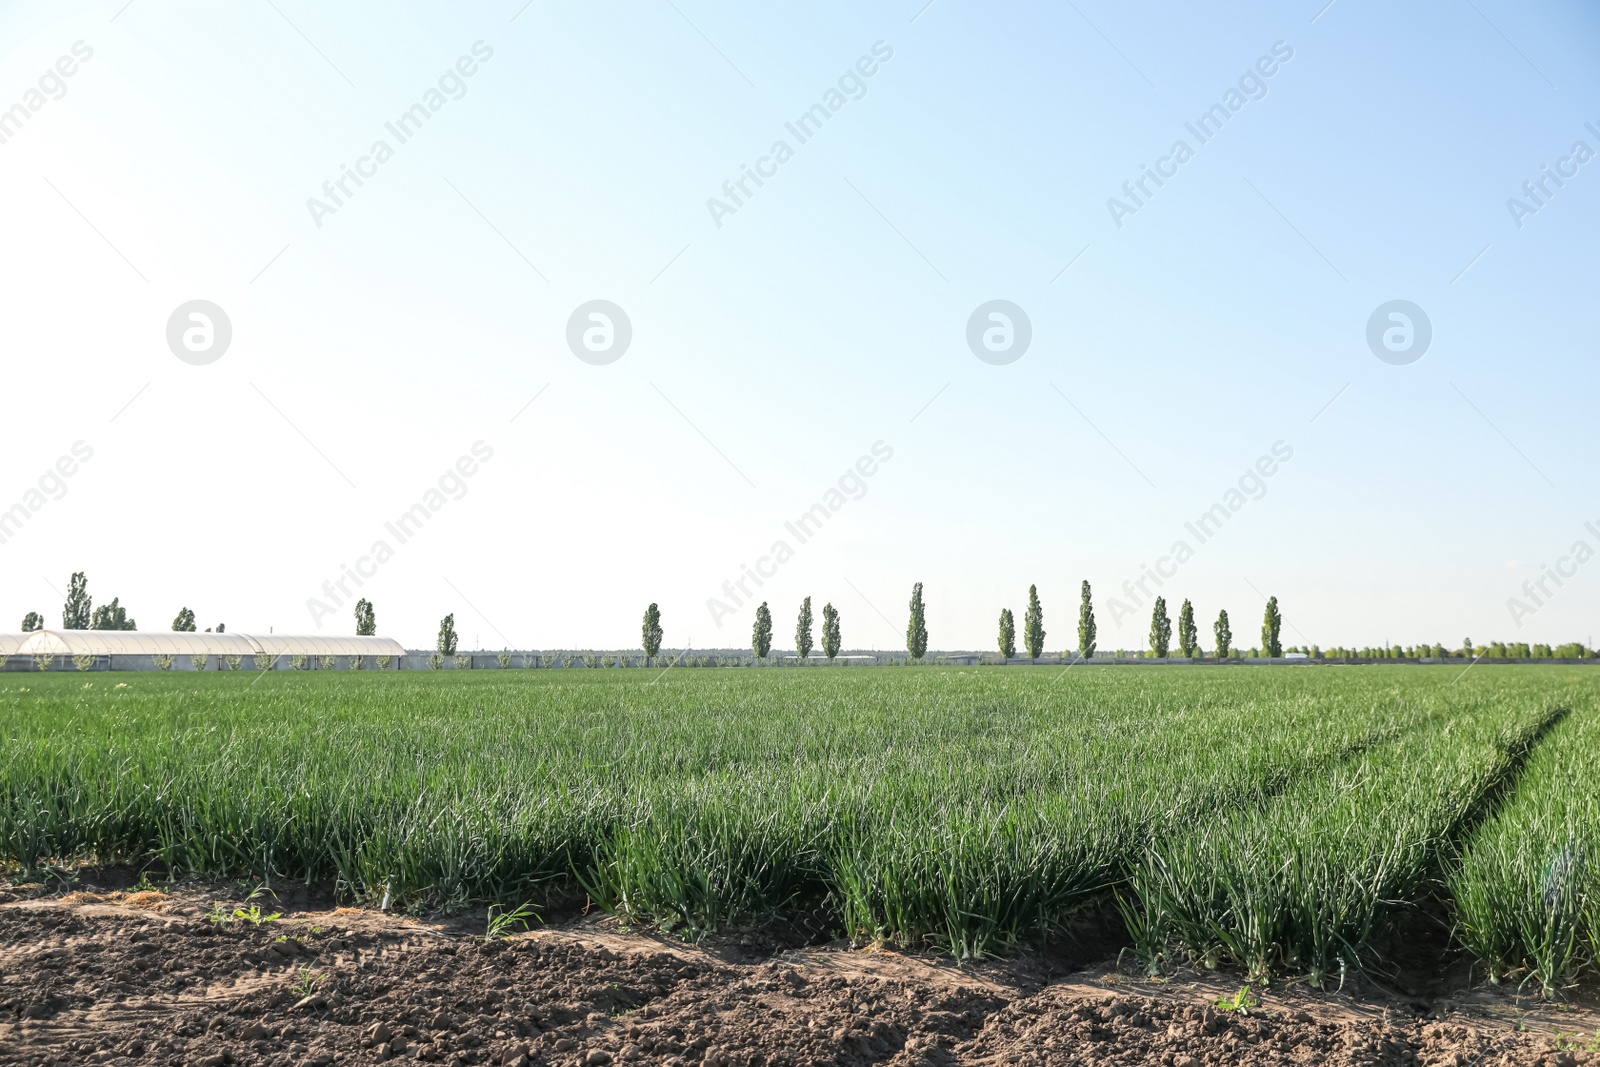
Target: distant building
(144,650)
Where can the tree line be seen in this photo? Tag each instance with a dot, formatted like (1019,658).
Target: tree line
(80,613)
(1160,638)
(761,632)
(1033,631)
(1466,651)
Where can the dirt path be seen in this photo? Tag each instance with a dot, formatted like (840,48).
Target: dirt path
(147,978)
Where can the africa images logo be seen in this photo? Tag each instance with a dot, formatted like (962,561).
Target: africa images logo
(1399,332)
(599,332)
(999,332)
(199,332)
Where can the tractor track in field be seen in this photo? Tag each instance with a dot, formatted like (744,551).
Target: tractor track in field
(1421,936)
(122,977)
(1504,788)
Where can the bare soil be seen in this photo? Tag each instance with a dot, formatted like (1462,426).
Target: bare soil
(129,977)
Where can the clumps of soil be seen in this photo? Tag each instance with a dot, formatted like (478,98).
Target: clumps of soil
(1060,1028)
(118,979)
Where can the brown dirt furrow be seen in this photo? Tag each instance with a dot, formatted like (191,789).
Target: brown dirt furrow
(91,981)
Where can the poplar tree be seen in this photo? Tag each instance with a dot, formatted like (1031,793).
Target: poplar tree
(1160,629)
(1085,624)
(1188,639)
(366,618)
(917,628)
(184,623)
(112,616)
(651,633)
(1008,634)
(75,613)
(761,633)
(830,631)
(802,630)
(1223,634)
(1033,624)
(1271,623)
(447,635)
(32,621)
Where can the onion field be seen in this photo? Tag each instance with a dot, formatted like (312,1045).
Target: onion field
(1269,820)
(1527,889)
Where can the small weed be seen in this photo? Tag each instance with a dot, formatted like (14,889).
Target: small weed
(308,982)
(500,926)
(254,917)
(1241,1002)
(144,885)
(216,915)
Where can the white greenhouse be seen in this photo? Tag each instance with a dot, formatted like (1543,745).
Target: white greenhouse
(143,650)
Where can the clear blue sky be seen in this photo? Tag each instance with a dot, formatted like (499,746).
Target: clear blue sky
(375,345)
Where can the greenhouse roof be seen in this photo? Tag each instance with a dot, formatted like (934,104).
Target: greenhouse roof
(177,643)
